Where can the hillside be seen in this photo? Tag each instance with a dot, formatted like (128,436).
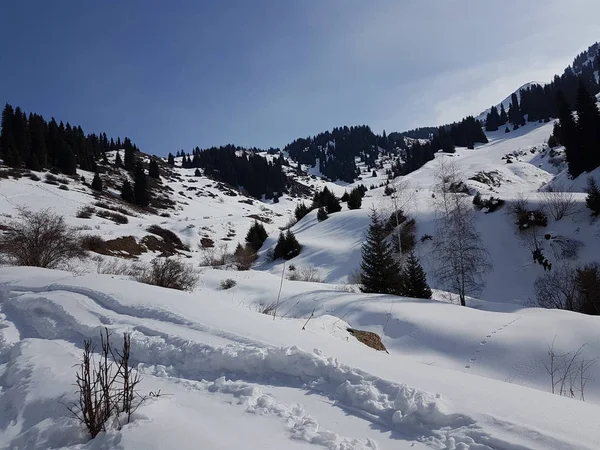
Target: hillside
(265,353)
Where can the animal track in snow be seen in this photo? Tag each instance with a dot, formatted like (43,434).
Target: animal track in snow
(473,357)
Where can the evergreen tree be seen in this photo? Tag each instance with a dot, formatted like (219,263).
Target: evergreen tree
(380,273)
(355,199)
(140,186)
(118,160)
(127,192)
(197,173)
(8,145)
(301,211)
(287,246)
(588,126)
(570,137)
(322,214)
(37,130)
(97,183)
(171,160)
(153,170)
(592,200)
(327,199)
(65,158)
(129,161)
(492,120)
(256,236)
(414,280)
(515,115)
(503,116)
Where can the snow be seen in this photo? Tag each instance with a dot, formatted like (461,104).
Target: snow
(227,368)
(454,377)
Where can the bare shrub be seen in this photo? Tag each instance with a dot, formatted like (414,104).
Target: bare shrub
(228,284)
(243,257)
(214,256)
(355,277)
(569,372)
(117,218)
(559,203)
(564,247)
(169,273)
(40,239)
(107,390)
(572,289)
(113,266)
(556,289)
(267,308)
(305,273)
(85,212)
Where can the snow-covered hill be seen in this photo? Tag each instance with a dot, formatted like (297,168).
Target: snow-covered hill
(454,377)
(230,377)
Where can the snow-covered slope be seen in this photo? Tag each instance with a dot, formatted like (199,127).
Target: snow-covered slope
(506,102)
(230,377)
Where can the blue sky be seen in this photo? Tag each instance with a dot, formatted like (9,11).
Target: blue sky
(173,75)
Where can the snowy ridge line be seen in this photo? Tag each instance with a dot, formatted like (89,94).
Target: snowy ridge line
(411,413)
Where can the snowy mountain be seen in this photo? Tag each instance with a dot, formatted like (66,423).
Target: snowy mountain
(506,101)
(287,354)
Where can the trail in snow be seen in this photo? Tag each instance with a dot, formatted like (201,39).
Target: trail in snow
(404,410)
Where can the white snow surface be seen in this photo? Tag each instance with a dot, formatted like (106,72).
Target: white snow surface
(454,377)
(237,378)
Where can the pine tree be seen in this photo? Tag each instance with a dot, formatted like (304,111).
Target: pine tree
(380,273)
(287,246)
(197,173)
(127,192)
(153,170)
(256,236)
(118,160)
(588,126)
(592,200)
(414,280)
(140,186)
(37,130)
(129,161)
(355,199)
(322,214)
(570,138)
(97,183)
(301,211)
(503,116)
(171,160)
(492,120)
(8,145)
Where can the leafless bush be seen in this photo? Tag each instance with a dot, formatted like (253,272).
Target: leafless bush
(573,289)
(355,277)
(117,218)
(243,257)
(85,212)
(556,289)
(169,273)
(564,247)
(559,203)
(268,308)
(569,372)
(40,239)
(214,256)
(305,273)
(228,284)
(113,266)
(107,390)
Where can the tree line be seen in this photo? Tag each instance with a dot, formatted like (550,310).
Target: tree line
(32,142)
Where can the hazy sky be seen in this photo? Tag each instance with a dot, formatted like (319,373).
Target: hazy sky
(173,75)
